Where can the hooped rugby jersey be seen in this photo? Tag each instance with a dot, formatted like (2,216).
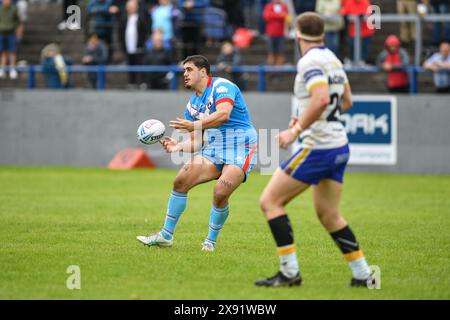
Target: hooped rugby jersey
(320,66)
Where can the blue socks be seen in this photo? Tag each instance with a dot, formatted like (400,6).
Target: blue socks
(216,222)
(175,207)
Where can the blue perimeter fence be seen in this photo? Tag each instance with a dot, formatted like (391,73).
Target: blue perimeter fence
(261,70)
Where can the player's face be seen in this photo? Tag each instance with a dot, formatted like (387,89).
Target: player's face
(192,75)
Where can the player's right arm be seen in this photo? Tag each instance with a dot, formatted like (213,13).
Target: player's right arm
(191,145)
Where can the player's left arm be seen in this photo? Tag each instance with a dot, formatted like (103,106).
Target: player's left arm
(214,120)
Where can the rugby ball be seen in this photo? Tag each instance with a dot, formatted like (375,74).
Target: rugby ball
(151,131)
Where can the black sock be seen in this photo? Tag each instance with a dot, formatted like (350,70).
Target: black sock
(345,240)
(282,230)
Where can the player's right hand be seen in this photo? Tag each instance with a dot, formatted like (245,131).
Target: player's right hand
(169,144)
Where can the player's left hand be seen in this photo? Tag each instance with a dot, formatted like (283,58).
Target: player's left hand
(285,138)
(182,124)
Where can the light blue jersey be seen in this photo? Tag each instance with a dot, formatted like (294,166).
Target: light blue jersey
(235,141)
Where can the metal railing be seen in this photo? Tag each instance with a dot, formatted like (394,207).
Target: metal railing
(398,18)
(260,70)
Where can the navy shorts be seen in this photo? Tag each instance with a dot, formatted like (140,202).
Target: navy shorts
(8,43)
(312,165)
(276,44)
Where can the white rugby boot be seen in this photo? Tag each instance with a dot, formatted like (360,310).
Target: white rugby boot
(156,239)
(208,246)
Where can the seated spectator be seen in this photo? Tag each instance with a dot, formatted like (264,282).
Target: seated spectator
(439,63)
(95,53)
(54,67)
(158,55)
(329,10)
(100,21)
(9,23)
(190,24)
(133,32)
(407,29)
(275,15)
(229,58)
(392,60)
(358,8)
(441,31)
(164,17)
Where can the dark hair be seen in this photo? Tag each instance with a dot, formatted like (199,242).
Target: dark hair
(310,24)
(199,61)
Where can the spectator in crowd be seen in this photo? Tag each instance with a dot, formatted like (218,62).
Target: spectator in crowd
(358,8)
(22,9)
(392,60)
(304,5)
(229,58)
(329,10)
(439,63)
(190,25)
(133,32)
(158,55)
(9,23)
(165,17)
(65,15)
(95,53)
(235,14)
(275,15)
(100,21)
(439,7)
(407,29)
(54,66)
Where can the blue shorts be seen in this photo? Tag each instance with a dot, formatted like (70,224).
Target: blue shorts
(240,151)
(8,43)
(312,165)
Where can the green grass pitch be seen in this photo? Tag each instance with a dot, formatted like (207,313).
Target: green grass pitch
(52,218)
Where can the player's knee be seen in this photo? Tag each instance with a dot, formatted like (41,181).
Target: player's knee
(266,203)
(221,195)
(181,184)
(328,217)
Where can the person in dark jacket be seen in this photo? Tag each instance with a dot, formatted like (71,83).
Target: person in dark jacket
(100,21)
(95,53)
(392,60)
(190,24)
(134,30)
(158,54)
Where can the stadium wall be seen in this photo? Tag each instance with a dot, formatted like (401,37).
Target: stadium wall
(86,128)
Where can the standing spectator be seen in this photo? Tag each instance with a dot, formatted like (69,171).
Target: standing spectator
(392,60)
(9,22)
(407,29)
(439,7)
(304,5)
(54,67)
(165,17)
(229,58)
(439,63)
(65,16)
(192,13)
(95,53)
(133,32)
(22,9)
(329,10)
(358,8)
(158,55)
(275,15)
(100,22)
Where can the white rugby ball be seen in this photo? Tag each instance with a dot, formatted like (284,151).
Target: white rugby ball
(151,131)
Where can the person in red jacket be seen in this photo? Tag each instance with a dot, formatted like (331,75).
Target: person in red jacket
(358,8)
(275,15)
(392,60)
